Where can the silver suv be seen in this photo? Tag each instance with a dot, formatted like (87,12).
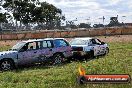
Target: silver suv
(54,50)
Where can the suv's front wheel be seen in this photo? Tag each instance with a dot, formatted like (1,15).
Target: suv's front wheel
(6,65)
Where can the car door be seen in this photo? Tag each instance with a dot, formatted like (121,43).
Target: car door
(66,47)
(45,48)
(102,47)
(62,46)
(28,54)
(96,47)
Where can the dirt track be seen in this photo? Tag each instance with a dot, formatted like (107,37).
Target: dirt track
(116,38)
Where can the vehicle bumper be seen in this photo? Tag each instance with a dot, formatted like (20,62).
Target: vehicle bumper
(79,54)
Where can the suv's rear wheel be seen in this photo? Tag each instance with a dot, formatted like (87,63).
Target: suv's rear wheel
(57,59)
(6,65)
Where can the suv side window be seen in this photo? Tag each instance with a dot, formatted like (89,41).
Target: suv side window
(31,45)
(49,44)
(44,44)
(59,43)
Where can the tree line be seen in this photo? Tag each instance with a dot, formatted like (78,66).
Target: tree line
(31,12)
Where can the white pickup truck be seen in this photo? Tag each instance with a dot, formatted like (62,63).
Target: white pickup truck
(88,47)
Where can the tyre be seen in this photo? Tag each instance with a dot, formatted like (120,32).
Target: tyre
(6,65)
(58,59)
(91,54)
(88,55)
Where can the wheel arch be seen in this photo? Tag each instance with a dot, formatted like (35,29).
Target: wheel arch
(8,59)
(59,53)
(12,64)
(92,52)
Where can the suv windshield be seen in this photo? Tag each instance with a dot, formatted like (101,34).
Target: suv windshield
(18,46)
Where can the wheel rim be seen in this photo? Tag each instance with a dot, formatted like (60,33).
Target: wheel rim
(6,65)
(58,59)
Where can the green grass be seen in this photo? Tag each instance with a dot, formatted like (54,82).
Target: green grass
(118,61)
(4,48)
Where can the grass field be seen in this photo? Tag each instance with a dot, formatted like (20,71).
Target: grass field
(118,61)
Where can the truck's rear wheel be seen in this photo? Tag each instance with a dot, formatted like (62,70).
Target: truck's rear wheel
(91,54)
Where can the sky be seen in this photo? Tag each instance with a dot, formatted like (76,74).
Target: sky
(94,9)
(89,11)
